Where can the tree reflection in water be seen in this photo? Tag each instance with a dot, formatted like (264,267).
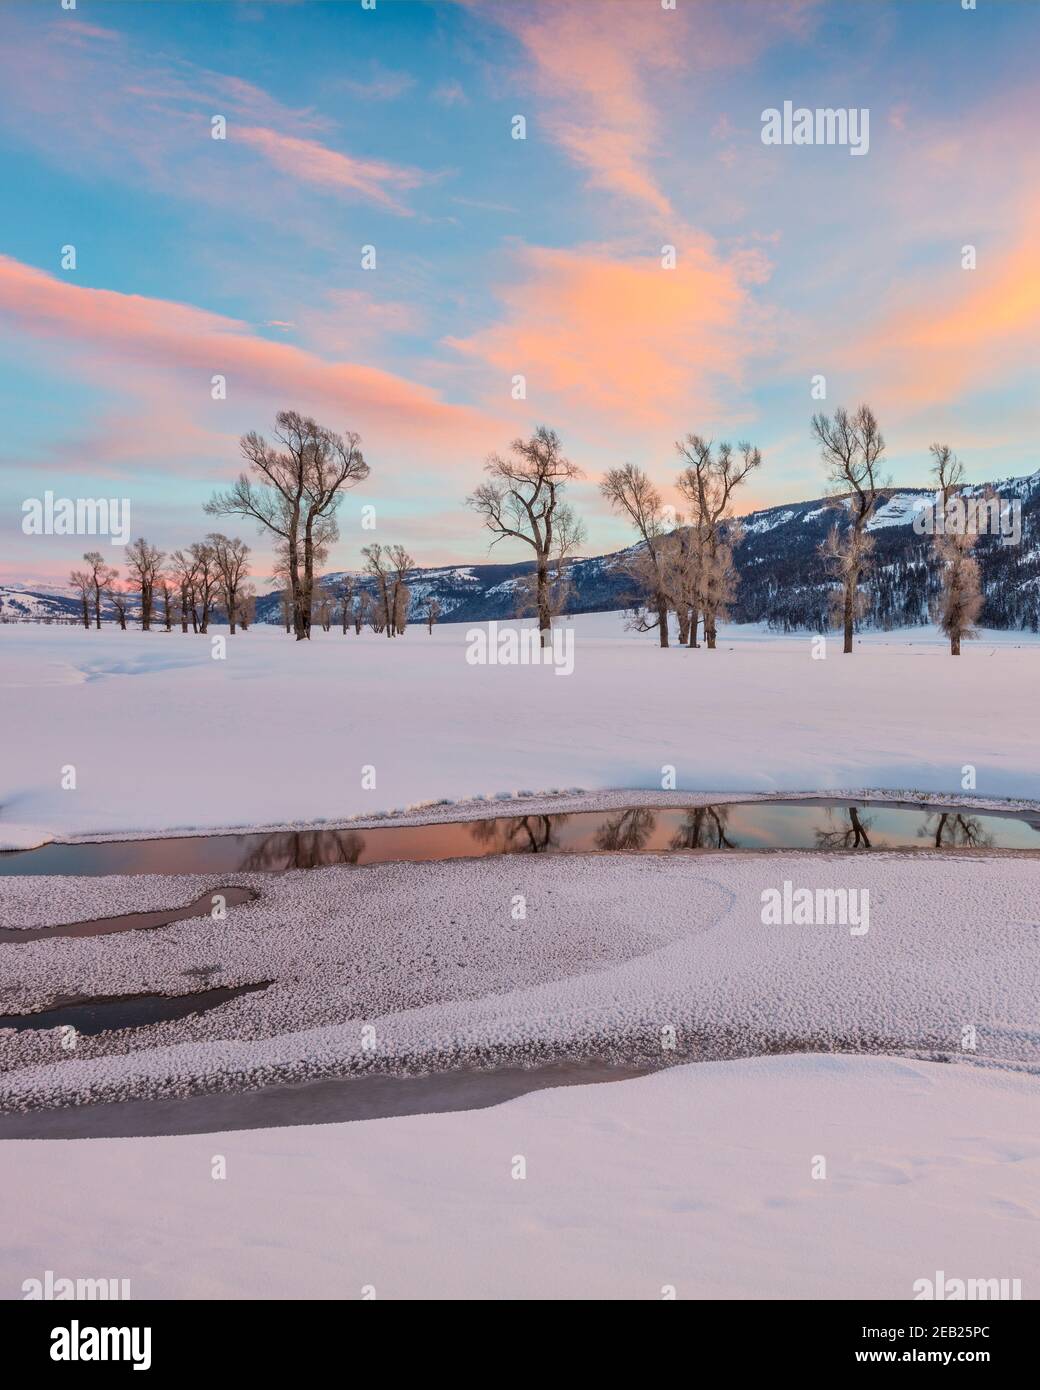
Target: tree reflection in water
(703,827)
(954,830)
(519,834)
(305,849)
(851,836)
(627,830)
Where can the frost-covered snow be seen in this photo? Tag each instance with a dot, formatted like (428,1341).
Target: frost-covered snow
(696,1179)
(163,737)
(396,967)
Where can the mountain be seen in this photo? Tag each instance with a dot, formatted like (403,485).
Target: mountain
(782,578)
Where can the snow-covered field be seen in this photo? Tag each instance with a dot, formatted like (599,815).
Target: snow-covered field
(403,967)
(164,737)
(698,1177)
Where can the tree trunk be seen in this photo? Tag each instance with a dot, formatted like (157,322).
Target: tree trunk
(544,612)
(695,618)
(662,620)
(850,608)
(955,644)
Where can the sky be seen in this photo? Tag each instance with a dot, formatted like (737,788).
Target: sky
(349,127)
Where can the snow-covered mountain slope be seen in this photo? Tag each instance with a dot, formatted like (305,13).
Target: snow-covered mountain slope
(783,579)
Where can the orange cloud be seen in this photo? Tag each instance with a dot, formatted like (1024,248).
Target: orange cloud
(158,335)
(625,339)
(966,329)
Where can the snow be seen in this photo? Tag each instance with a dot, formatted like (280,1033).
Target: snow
(899,510)
(697,1178)
(165,738)
(767,522)
(612,950)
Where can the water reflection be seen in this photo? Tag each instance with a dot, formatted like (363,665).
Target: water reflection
(627,830)
(955,830)
(518,834)
(847,833)
(805,824)
(703,827)
(305,849)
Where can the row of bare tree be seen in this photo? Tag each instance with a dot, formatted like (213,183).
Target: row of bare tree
(684,564)
(188,584)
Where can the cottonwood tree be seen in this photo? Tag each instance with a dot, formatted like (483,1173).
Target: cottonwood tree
(246,606)
(294,492)
(102,575)
(362,605)
(630,492)
(400,563)
(231,560)
(119,598)
(207,578)
(144,563)
(682,579)
(960,602)
(81,581)
(377,564)
(431,612)
(183,571)
(524,499)
(168,593)
(708,482)
(345,592)
(851,447)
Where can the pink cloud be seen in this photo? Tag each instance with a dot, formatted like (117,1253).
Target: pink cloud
(617,340)
(310,162)
(120,334)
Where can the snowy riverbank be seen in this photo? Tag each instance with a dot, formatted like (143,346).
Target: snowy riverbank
(163,738)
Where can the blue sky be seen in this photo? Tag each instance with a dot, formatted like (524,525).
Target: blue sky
(495,256)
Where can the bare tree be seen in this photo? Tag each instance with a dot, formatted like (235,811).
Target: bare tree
(294,493)
(246,606)
(144,562)
(231,561)
(960,602)
(379,565)
(345,592)
(851,447)
(630,491)
(400,563)
(101,576)
(708,482)
(168,594)
(362,604)
(207,578)
(431,612)
(119,598)
(523,499)
(82,582)
(183,573)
